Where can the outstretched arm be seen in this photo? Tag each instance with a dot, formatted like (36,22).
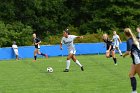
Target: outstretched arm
(81,37)
(61,46)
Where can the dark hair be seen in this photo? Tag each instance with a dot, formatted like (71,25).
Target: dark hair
(67,31)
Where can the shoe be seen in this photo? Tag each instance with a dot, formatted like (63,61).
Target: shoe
(116,64)
(34,60)
(134,91)
(82,68)
(120,55)
(66,70)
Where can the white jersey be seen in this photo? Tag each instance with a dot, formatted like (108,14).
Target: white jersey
(15,48)
(116,40)
(69,42)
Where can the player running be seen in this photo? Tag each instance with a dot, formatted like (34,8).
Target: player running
(133,48)
(109,48)
(68,40)
(37,42)
(116,40)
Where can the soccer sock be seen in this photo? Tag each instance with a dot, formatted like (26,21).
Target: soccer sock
(115,60)
(119,51)
(67,64)
(133,83)
(78,63)
(42,54)
(35,57)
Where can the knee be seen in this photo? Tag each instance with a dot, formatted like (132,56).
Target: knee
(68,58)
(131,75)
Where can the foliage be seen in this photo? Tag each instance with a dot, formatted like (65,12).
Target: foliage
(48,18)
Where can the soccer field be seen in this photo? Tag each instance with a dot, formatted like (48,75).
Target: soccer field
(100,76)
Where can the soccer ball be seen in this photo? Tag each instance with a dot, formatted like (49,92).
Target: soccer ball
(49,69)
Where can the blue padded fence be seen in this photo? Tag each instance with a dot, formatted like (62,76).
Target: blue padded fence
(54,50)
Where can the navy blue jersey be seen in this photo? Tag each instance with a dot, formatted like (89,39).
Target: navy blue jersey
(36,40)
(129,44)
(108,44)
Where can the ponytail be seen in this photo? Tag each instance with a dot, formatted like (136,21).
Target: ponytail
(129,32)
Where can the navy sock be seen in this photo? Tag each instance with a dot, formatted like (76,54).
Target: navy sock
(115,60)
(42,54)
(35,57)
(133,83)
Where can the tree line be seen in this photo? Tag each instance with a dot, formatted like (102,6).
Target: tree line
(48,18)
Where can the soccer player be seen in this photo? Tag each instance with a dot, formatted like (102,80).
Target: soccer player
(37,42)
(133,49)
(109,48)
(15,48)
(68,40)
(116,40)
(138,30)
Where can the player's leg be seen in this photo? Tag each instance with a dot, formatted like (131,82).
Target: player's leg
(108,54)
(77,62)
(117,47)
(114,57)
(68,62)
(132,78)
(138,69)
(38,52)
(35,54)
(16,53)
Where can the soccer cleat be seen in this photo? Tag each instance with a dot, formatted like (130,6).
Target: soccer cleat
(82,68)
(120,55)
(66,70)
(34,60)
(116,64)
(134,91)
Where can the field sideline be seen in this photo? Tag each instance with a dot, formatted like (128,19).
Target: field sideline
(100,76)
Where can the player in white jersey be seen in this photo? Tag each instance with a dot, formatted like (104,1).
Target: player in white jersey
(116,40)
(15,48)
(68,40)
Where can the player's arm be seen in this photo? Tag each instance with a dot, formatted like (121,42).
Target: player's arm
(61,43)
(61,46)
(119,40)
(109,48)
(128,51)
(81,37)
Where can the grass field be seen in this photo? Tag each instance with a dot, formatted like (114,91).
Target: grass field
(100,76)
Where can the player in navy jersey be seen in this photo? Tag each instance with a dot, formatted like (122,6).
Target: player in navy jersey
(109,48)
(133,49)
(37,42)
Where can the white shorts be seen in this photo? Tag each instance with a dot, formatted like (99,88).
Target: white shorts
(72,51)
(114,46)
(16,51)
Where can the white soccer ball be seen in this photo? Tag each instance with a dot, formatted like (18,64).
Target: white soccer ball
(49,69)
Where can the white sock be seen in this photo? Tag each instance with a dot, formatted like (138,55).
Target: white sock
(120,52)
(78,63)
(67,64)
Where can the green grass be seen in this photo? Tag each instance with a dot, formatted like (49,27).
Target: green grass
(100,76)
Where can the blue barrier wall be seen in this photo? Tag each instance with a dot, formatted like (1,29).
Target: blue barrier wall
(54,50)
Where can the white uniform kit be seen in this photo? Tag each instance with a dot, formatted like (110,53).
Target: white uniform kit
(15,48)
(69,43)
(71,49)
(116,41)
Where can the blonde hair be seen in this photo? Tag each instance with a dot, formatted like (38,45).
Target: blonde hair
(129,33)
(104,35)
